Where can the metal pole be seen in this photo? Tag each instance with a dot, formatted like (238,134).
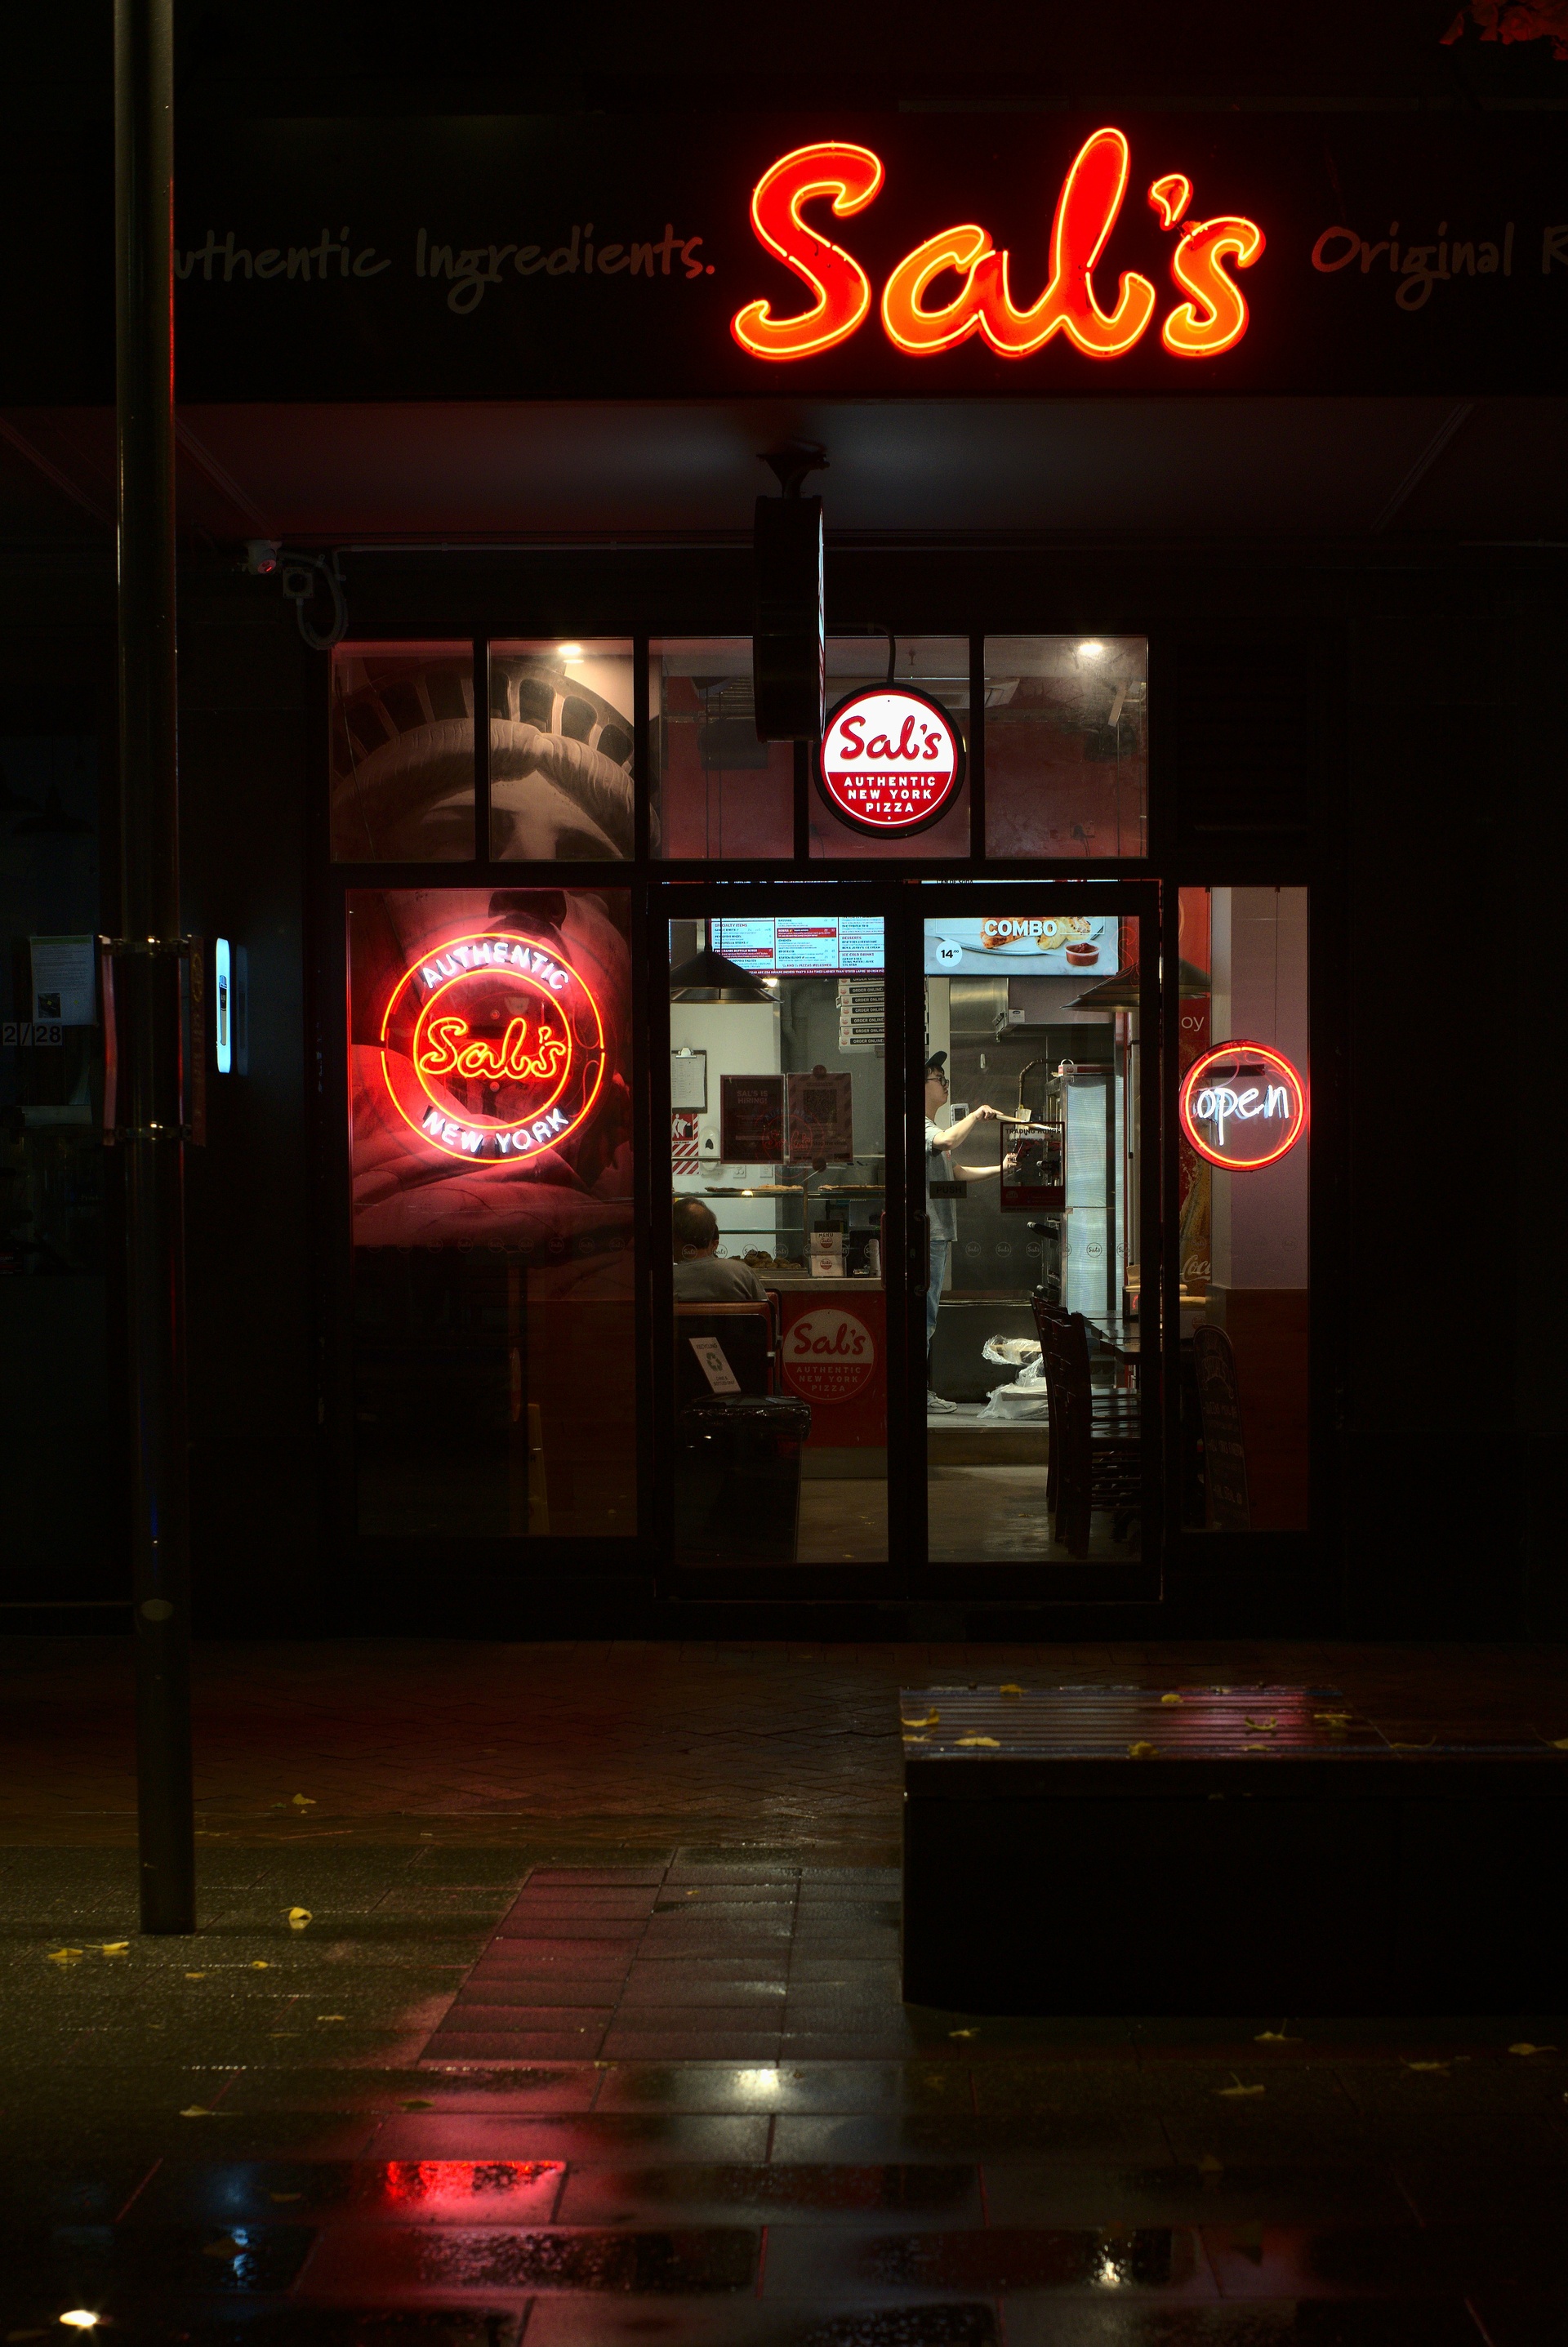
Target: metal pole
(151,1108)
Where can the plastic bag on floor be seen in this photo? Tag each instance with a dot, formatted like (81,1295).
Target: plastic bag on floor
(1011,1352)
(1025,1397)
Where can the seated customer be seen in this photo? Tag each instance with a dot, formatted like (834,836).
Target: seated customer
(700,1275)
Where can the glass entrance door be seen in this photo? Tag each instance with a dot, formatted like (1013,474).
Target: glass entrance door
(1034,1194)
(911,1218)
(779,1244)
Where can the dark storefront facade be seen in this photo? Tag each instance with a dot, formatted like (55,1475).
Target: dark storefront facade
(1206,523)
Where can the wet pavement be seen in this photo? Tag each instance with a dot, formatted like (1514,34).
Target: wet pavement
(476,2094)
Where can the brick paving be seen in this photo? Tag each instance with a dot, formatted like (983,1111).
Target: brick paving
(578,1748)
(595,2037)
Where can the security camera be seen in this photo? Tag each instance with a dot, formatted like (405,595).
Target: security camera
(261,556)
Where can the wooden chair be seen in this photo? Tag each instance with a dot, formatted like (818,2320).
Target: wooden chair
(1225,1451)
(749,1334)
(1092,1463)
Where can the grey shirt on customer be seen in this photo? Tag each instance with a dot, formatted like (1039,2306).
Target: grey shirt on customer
(717,1279)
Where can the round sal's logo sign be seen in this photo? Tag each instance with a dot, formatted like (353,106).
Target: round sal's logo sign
(492,1048)
(829,1355)
(890,761)
(1243,1106)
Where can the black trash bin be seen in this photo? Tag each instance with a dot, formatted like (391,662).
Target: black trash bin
(737,1479)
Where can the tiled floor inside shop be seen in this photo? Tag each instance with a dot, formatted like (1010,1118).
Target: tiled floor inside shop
(551,1995)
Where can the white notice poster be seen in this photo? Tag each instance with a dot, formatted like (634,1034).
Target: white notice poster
(64,980)
(715,1368)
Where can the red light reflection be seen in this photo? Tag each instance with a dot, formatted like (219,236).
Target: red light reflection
(448,2181)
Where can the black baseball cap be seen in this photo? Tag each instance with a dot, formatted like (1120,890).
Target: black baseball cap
(937,1065)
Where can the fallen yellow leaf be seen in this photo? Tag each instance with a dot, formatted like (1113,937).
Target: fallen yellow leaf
(1236,2091)
(1275,2037)
(298,1918)
(114,1947)
(260,1965)
(1010,1687)
(1559,1744)
(917,1739)
(1142,1751)
(65,1956)
(195,1976)
(197,2111)
(1414,1747)
(1439,2067)
(1332,1718)
(963,2033)
(990,1741)
(417,2104)
(1170,1698)
(930,1720)
(1526,2047)
(332,2016)
(303,1801)
(1260,1727)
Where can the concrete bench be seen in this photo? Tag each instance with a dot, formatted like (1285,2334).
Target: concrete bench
(1260,1850)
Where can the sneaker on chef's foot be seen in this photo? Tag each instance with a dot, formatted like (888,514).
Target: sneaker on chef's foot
(935,1401)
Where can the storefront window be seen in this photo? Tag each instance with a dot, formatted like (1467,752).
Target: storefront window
(718,792)
(935,666)
(1030,1071)
(1244,1173)
(1067,762)
(403,754)
(494,1345)
(778,1090)
(561,753)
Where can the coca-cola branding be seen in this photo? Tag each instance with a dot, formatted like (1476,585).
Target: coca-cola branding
(891,758)
(829,1354)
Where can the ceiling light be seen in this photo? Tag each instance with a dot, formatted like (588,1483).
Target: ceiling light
(1092,649)
(80,2317)
(569,652)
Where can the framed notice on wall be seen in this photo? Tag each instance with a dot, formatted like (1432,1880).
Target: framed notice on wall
(751,1120)
(820,1120)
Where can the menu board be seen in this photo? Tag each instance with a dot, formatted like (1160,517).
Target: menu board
(1025,945)
(751,1120)
(803,945)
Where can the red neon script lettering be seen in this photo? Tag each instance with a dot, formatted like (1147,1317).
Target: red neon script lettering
(1216,316)
(851,176)
(1086,212)
(449,1051)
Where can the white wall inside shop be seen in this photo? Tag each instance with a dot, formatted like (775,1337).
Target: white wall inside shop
(741,1038)
(1259,945)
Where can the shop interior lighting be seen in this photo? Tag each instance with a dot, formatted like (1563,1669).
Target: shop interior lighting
(710,976)
(79,2318)
(569,652)
(1092,649)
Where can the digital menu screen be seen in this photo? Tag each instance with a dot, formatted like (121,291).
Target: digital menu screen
(803,945)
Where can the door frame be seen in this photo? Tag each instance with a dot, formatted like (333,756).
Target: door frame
(904,903)
(1134,1582)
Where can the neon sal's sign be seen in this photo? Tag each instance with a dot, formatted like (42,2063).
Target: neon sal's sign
(492,1048)
(1243,1106)
(921,311)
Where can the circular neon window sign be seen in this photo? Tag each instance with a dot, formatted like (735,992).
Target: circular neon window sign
(1243,1106)
(890,761)
(492,1048)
